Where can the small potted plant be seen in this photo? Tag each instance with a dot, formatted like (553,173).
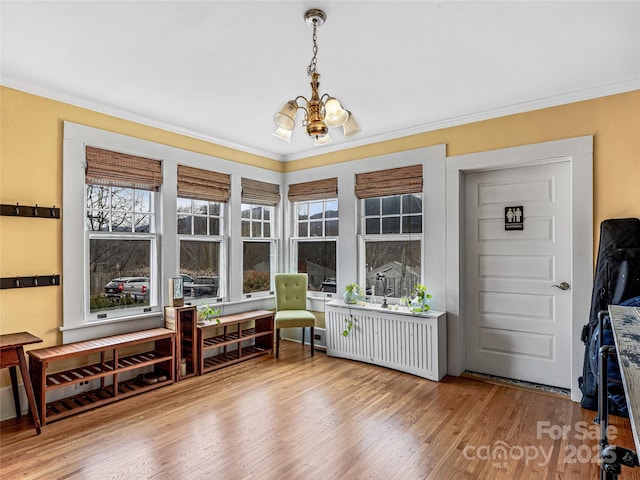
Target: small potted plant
(421,299)
(208,312)
(353,294)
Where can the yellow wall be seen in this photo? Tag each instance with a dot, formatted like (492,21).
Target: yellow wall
(31,172)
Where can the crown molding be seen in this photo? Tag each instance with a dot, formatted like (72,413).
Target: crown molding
(546,102)
(553,101)
(130,116)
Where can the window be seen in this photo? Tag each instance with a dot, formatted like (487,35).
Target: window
(257,258)
(121,233)
(200,248)
(315,254)
(258,230)
(391,230)
(200,209)
(315,231)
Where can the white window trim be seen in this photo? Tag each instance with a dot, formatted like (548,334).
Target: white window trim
(75,326)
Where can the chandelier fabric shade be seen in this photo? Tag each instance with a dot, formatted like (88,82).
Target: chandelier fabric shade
(320,112)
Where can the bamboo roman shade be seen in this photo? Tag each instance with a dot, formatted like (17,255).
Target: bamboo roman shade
(395,181)
(316,190)
(260,193)
(113,169)
(199,184)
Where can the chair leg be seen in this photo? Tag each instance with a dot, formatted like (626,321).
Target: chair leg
(277,343)
(302,342)
(312,342)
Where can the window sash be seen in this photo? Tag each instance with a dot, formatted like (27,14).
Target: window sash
(222,284)
(412,277)
(154,296)
(272,266)
(296,261)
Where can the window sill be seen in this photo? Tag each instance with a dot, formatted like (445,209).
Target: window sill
(103,328)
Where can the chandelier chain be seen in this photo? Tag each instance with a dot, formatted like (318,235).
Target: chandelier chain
(312,68)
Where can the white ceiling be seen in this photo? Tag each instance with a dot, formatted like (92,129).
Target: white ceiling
(218,70)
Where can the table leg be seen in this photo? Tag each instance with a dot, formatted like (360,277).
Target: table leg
(26,378)
(14,387)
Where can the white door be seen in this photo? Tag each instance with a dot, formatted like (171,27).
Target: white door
(518,324)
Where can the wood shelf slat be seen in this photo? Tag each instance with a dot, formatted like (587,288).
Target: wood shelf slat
(94,398)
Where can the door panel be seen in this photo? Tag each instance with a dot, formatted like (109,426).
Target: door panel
(517,324)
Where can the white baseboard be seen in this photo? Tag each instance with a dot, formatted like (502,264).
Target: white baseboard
(295,334)
(7,408)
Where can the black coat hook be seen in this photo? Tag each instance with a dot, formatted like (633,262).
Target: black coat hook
(18,210)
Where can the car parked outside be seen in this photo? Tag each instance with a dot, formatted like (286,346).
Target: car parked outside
(135,287)
(201,286)
(205,286)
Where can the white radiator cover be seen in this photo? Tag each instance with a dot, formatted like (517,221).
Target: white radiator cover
(397,339)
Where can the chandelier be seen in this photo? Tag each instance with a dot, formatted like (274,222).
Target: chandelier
(320,112)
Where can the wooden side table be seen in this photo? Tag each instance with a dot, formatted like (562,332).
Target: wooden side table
(12,355)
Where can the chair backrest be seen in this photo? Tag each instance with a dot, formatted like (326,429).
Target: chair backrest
(291,291)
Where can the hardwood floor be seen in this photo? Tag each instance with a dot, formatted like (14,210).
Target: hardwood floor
(316,418)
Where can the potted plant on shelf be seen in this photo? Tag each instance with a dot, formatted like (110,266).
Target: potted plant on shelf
(353,294)
(421,301)
(208,312)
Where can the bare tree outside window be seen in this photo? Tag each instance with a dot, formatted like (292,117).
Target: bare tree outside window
(119,259)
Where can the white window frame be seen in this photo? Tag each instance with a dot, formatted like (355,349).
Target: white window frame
(294,259)
(364,238)
(296,239)
(222,239)
(273,249)
(77,323)
(154,282)
(222,275)
(273,265)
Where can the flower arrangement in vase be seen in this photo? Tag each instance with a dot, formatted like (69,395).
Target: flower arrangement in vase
(421,299)
(353,294)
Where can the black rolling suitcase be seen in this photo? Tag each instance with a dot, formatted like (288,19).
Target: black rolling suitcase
(616,282)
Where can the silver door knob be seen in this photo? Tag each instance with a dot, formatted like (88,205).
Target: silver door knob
(562,286)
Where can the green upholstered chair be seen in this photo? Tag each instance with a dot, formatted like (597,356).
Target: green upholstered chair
(291,305)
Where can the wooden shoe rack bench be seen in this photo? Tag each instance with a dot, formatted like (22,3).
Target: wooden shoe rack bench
(121,363)
(219,342)
(121,374)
